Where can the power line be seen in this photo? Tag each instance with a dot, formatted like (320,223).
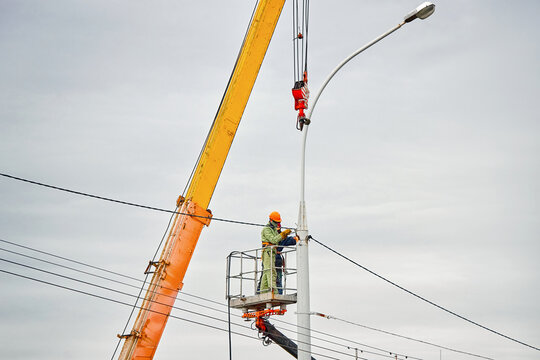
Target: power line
(70,260)
(116,281)
(187,294)
(131,203)
(422,298)
(184,293)
(180,299)
(172,316)
(114,290)
(183,300)
(400,336)
(348,340)
(113,300)
(386,352)
(153,301)
(262,225)
(193,303)
(104,277)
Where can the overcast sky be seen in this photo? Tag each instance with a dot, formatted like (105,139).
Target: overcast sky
(423,165)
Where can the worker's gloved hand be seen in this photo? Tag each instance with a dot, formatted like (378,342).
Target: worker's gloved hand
(285,233)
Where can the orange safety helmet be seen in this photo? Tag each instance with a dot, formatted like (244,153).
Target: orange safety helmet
(274,216)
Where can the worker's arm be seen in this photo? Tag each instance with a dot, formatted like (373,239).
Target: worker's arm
(288,241)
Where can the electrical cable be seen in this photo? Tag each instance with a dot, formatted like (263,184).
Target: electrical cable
(193,303)
(140,307)
(131,295)
(392,353)
(133,204)
(144,282)
(330,317)
(70,260)
(422,298)
(182,293)
(180,299)
(68,267)
(200,298)
(103,277)
(115,301)
(174,307)
(262,225)
(116,291)
(101,269)
(386,352)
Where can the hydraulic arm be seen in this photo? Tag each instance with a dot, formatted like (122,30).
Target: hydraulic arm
(269,331)
(142,341)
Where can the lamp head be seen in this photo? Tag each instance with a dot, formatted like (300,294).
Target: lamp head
(423,11)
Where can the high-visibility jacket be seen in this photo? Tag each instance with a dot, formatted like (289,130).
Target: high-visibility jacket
(270,235)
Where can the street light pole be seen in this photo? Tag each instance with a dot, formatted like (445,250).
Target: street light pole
(302,254)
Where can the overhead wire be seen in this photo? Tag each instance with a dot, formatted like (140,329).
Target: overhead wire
(423,298)
(170,315)
(386,354)
(113,300)
(68,259)
(330,317)
(262,225)
(104,277)
(113,290)
(118,281)
(191,295)
(131,295)
(173,316)
(348,340)
(131,203)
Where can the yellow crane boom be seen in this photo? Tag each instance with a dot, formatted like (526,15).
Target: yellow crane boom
(150,323)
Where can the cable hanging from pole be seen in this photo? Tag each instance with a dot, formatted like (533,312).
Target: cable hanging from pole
(424,299)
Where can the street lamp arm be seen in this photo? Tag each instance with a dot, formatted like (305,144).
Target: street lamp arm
(349,58)
(302,256)
(302,223)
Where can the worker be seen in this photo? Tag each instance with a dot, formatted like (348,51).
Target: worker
(280,262)
(271,236)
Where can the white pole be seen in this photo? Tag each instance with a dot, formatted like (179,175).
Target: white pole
(302,253)
(302,263)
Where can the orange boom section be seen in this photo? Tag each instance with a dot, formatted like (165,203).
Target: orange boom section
(166,282)
(169,273)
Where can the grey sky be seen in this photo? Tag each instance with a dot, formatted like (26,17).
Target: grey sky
(423,165)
